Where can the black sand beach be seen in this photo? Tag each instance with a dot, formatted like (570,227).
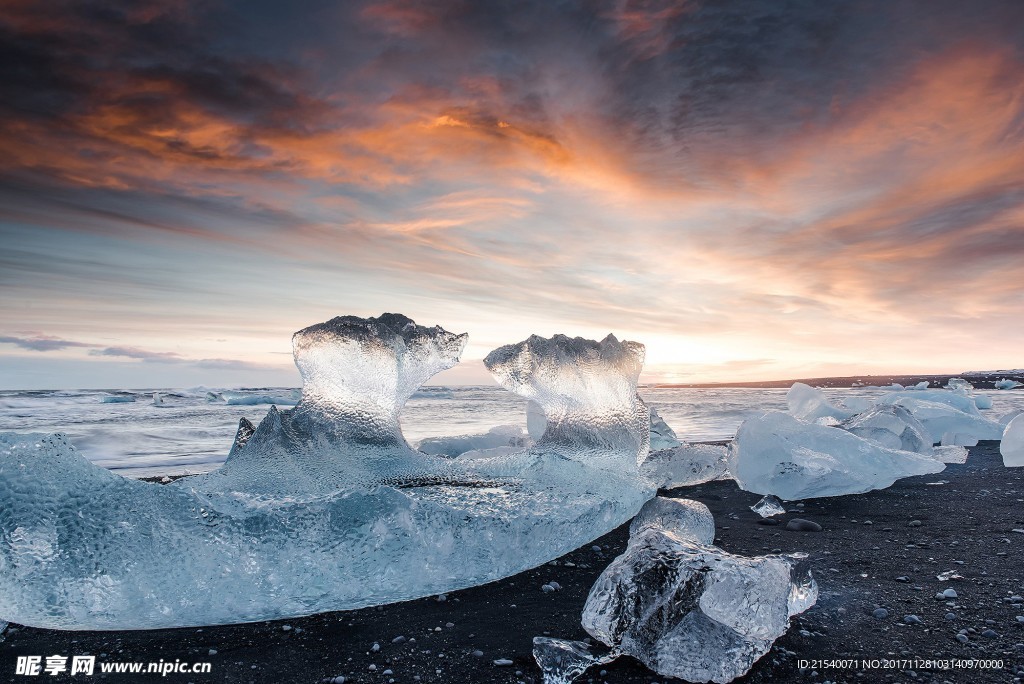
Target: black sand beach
(871,554)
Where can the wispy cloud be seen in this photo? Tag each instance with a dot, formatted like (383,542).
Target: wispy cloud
(41,343)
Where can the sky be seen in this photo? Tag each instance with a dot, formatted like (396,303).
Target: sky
(754,190)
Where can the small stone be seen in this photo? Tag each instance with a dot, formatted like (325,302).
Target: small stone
(768,521)
(547,588)
(914,523)
(1020,618)
(478,654)
(502,662)
(449,625)
(949,593)
(962,638)
(912,619)
(372,668)
(902,578)
(387,672)
(286,628)
(990,633)
(801,525)
(441,598)
(951,616)
(375,647)
(880,613)
(398,640)
(595,548)
(212,652)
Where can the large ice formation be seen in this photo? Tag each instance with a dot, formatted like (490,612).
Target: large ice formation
(775,453)
(687,464)
(891,425)
(325,506)
(682,607)
(1006,384)
(1012,445)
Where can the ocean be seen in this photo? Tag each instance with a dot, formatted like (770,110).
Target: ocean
(191,430)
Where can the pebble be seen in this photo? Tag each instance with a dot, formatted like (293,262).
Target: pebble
(951,616)
(449,625)
(441,598)
(338,680)
(547,588)
(212,652)
(902,578)
(595,548)
(914,523)
(398,640)
(1020,618)
(912,619)
(478,654)
(880,613)
(801,525)
(990,633)
(962,638)
(375,647)
(502,662)
(286,628)
(768,521)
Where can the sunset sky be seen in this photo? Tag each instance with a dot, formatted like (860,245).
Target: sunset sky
(754,190)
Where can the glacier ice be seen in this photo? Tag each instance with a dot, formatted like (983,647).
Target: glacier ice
(662,436)
(1012,445)
(810,404)
(892,426)
(949,417)
(775,453)
(561,661)
(682,607)
(959,385)
(326,506)
(983,401)
(498,436)
(687,464)
(1006,384)
(768,506)
(687,518)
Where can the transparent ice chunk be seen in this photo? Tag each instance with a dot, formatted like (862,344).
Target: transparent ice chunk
(561,661)
(326,506)
(892,426)
(810,404)
(775,453)
(687,464)
(690,610)
(1012,445)
(662,436)
(768,506)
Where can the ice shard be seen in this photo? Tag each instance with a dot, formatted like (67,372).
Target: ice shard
(775,453)
(768,506)
(326,506)
(1006,384)
(662,436)
(810,404)
(1012,445)
(682,607)
(684,465)
(892,426)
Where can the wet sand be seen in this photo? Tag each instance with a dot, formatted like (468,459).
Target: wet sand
(860,557)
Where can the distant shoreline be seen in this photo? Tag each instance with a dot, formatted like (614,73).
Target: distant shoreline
(980,381)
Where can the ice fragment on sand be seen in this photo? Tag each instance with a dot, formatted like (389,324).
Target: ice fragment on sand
(691,610)
(1012,444)
(687,464)
(682,607)
(561,662)
(662,436)
(775,453)
(326,507)
(685,517)
(768,506)
(810,404)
